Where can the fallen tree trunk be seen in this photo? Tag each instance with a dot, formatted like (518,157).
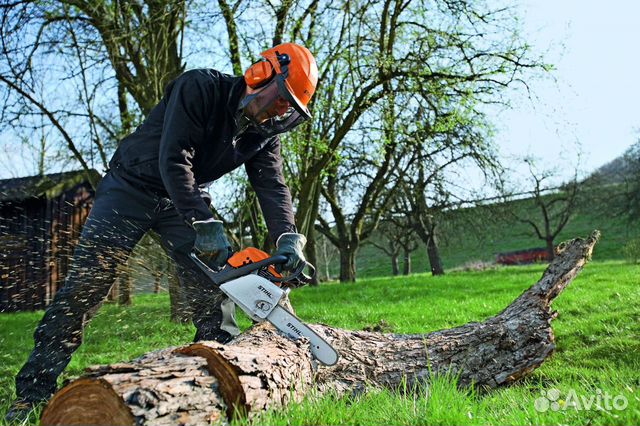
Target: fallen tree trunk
(261,369)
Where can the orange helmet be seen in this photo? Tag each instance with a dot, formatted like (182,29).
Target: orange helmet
(287,75)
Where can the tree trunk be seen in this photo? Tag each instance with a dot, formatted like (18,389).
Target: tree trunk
(347,264)
(125,286)
(305,218)
(550,249)
(407,263)
(394,264)
(434,256)
(180,308)
(114,291)
(326,259)
(259,234)
(206,381)
(157,279)
(312,254)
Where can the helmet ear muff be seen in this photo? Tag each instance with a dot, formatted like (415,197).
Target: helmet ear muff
(258,74)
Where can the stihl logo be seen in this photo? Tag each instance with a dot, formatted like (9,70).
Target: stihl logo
(265,291)
(294,328)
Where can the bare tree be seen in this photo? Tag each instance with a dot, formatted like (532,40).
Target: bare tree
(327,254)
(124,49)
(391,247)
(551,206)
(453,140)
(409,245)
(365,181)
(396,237)
(421,217)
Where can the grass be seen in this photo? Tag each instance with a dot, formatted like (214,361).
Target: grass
(597,332)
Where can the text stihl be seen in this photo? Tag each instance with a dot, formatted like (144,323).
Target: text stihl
(265,291)
(294,328)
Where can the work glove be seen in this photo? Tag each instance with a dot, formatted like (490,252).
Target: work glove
(211,245)
(290,245)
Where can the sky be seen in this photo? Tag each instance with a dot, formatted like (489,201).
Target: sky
(592,99)
(589,103)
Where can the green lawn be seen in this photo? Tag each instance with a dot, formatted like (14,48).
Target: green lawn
(597,333)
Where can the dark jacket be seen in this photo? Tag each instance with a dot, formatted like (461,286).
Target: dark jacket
(187,142)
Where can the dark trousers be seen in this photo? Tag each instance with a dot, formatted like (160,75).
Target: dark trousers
(119,218)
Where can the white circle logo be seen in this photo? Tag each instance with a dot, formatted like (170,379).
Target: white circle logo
(553,394)
(541,404)
(620,402)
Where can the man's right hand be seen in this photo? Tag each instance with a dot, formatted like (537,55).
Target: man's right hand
(291,245)
(211,245)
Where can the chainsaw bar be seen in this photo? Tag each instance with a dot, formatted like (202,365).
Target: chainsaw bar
(291,325)
(258,297)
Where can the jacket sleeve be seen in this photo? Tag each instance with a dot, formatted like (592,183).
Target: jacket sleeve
(265,175)
(183,129)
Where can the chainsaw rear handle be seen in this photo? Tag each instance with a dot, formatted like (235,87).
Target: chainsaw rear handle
(232,273)
(298,273)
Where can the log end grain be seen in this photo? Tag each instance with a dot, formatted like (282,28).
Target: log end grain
(87,402)
(228,380)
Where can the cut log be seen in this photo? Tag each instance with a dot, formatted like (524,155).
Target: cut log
(261,369)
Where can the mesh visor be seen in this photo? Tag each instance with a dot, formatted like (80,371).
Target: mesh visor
(261,109)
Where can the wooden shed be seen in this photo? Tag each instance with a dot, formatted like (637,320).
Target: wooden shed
(40,221)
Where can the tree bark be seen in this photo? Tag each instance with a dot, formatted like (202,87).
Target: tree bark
(347,265)
(157,278)
(407,263)
(114,292)
(312,255)
(395,269)
(260,369)
(434,255)
(180,308)
(550,249)
(125,286)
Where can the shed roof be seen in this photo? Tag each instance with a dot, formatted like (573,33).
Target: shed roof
(48,186)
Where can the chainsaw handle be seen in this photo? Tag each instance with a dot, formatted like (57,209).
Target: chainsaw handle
(297,274)
(228,274)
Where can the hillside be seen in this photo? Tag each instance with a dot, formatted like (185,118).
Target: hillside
(466,239)
(619,170)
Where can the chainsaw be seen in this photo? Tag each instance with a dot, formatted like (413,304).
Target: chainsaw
(251,280)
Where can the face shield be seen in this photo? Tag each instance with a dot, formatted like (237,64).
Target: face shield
(274,109)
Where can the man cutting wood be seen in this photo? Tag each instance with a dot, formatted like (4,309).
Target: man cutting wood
(206,125)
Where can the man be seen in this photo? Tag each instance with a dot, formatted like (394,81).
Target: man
(206,125)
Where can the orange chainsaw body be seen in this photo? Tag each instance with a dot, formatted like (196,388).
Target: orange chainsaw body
(252,255)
